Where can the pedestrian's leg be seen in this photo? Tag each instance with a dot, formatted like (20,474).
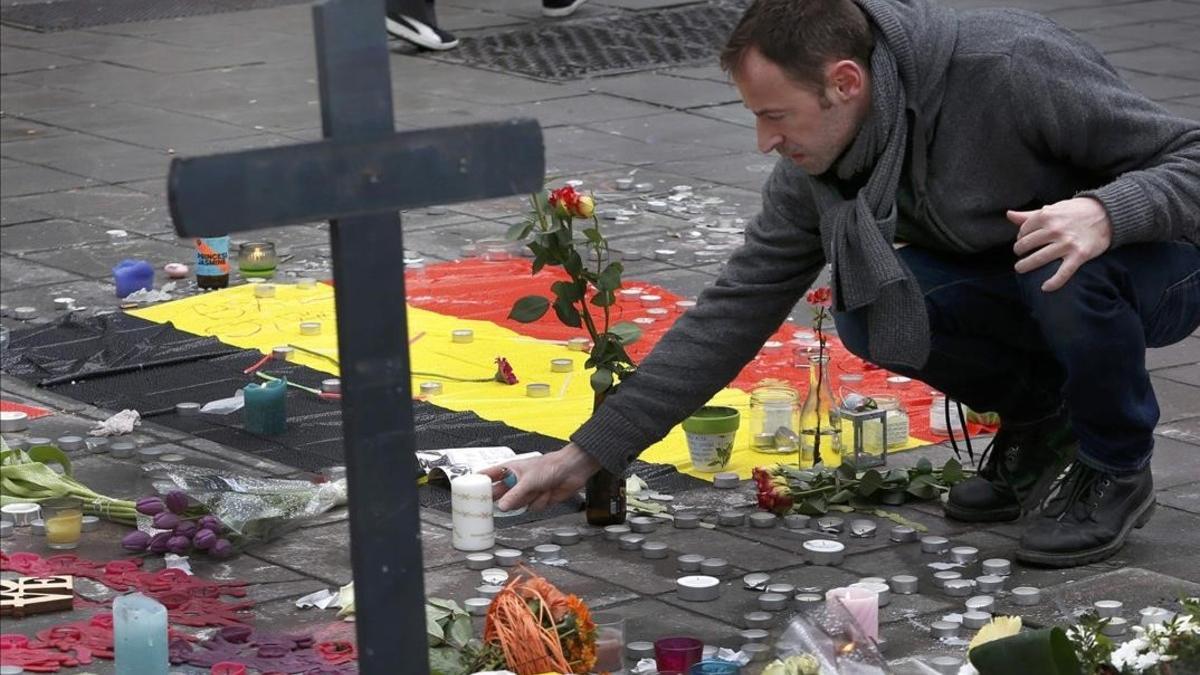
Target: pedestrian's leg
(416,22)
(1098,327)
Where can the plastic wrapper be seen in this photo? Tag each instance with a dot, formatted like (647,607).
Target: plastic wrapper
(254,508)
(834,640)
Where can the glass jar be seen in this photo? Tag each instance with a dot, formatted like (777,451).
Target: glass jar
(257,260)
(820,433)
(897,425)
(773,405)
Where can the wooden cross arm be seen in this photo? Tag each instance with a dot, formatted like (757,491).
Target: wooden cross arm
(218,194)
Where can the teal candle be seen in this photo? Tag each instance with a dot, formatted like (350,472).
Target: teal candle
(266,407)
(140,635)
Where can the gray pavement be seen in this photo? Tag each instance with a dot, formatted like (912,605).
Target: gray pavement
(90,119)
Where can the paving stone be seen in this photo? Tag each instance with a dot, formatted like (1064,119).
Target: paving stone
(734,113)
(21,273)
(49,235)
(744,169)
(1099,17)
(1184,497)
(319,551)
(91,156)
(667,91)
(1184,352)
(1161,87)
(94,294)
(456,582)
(1176,400)
(1159,60)
(1185,430)
(108,206)
(586,109)
(680,127)
(97,260)
(1176,460)
(28,179)
(1134,587)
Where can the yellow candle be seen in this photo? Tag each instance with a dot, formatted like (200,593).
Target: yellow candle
(63,528)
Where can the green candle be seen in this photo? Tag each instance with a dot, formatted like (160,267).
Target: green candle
(266,407)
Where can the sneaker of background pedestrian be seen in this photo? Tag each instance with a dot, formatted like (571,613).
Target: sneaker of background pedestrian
(415,22)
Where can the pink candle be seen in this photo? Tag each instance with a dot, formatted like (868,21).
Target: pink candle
(861,604)
(609,658)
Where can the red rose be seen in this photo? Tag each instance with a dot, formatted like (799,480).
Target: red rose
(820,297)
(504,371)
(565,201)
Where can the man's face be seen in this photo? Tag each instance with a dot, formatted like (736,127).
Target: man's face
(811,130)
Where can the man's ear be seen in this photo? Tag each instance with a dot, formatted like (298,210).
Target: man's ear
(847,80)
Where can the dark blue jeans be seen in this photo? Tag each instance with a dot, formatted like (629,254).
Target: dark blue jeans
(1002,344)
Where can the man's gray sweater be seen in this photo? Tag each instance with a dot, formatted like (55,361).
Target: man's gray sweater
(1031,115)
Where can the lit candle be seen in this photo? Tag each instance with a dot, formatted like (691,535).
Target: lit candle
(861,604)
(266,407)
(140,635)
(257,260)
(471,505)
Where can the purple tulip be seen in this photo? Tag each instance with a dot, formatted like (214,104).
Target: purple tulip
(158,542)
(135,541)
(211,523)
(204,539)
(150,506)
(221,549)
(178,545)
(166,521)
(176,501)
(187,528)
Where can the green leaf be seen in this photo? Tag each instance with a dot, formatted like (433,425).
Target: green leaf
(604,299)
(529,309)
(449,605)
(567,313)
(1037,652)
(445,661)
(573,264)
(601,380)
(626,331)
(924,466)
(846,472)
(50,454)
(541,256)
(567,291)
(593,235)
(518,231)
(432,625)
(922,487)
(841,497)
(610,278)
(952,472)
(459,633)
(870,482)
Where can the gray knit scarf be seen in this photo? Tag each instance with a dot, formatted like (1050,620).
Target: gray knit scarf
(914,40)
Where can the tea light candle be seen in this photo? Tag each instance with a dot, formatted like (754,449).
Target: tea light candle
(772,602)
(639,650)
(657,313)
(940,578)
(831,525)
(561,365)
(310,327)
(187,409)
(139,634)
(631,542)
(698,588)
(567,536)
(257,260)
(644,320)
(959,588)
(122,449)
(943,629)
(898,382)
(862,528)
(37,527)
(756,581)
(89,524)
(654,550)
(488,591)
(1026,595)
(934,544)
(860,603)
(682,306)
(631,293)
(650,300)
(283,353)
(643,524)
(644,187)
(726,480)
(1115,627)
(480,561)
(471,513)
(544,552)
(996,566)
(754,635)
(21,514)
(615,532)
(714,567)
(664,254)
(656,206)
(946,665)
(462,336)
(264,290)
(12,421)
(70,443)
(761,519)
(579,344)
(266,407)
(975,620)
(795,521)
(63,304)
(903,584)
(824,552)
(981,603)
(964,554)
(477,606)
(757,619)
(507,557)
(731,518)
(689,562)
(331,385)
(431,388)
(881,591)
(150,454)
(1107,608)
(686,521)
(1151,616)
(808,600)
(990,583)
(537,390)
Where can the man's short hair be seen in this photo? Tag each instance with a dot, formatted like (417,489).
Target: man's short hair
(801,36)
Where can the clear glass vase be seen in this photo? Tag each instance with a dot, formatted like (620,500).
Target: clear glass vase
(820,432)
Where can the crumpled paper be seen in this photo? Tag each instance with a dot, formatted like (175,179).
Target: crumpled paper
(121,423)
(645,666)
(143,295)
(739,657)
(322,599)
(225,406)
(178,562)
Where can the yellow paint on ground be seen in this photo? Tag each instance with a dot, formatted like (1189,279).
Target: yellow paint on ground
(236,317)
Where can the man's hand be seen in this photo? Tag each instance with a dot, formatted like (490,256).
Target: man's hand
(1075,231)
(543,481)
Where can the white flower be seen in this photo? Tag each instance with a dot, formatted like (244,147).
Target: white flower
(967,669)
(1147,660)
(1127,655)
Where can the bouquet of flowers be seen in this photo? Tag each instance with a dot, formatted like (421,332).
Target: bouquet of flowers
(785,489)
(540,629)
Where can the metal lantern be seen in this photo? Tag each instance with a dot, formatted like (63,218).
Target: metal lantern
(862,413)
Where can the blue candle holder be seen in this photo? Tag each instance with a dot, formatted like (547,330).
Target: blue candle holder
(140,635)
(133,275)
(266,407)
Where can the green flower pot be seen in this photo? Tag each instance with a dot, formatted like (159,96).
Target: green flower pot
(710,433)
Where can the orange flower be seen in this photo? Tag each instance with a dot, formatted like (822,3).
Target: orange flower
(579,647)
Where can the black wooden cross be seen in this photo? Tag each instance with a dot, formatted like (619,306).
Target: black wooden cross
(358,178)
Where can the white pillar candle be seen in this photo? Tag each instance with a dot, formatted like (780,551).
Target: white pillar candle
(861,604)
(471,501)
